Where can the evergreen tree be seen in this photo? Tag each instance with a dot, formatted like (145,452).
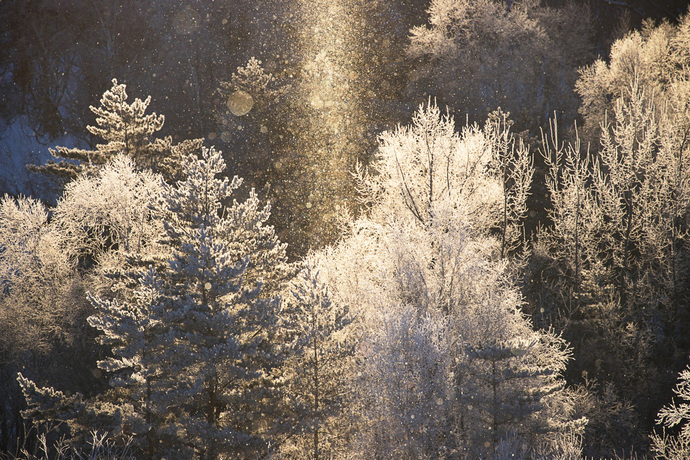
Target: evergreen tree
(499,374)
(124,128)
(220,329)
(320,353)
(192,346)
(253,81)
(133,331)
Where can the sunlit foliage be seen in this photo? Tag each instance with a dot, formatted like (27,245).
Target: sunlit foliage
(125,129)
(444,351)
(520,56)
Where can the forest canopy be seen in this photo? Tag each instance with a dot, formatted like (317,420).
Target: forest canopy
(345,229)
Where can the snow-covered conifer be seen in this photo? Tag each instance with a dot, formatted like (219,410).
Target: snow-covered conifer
(254,81)
(319,348)
(219,329)
(192,344)
(210,332)
(135,334)
(125,129)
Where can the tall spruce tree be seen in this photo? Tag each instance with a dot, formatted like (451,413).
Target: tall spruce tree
(220,329)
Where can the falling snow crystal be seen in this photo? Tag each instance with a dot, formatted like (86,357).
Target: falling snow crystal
(240,103)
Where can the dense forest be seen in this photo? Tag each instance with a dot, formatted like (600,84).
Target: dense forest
(356,229)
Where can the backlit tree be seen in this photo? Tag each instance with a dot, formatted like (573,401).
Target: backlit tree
(448,365)
(123,128)
(192,346)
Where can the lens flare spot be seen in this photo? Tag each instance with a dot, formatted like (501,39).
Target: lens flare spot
(240,103)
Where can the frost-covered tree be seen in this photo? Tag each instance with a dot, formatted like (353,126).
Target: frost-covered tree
(616,257)
(37,278)
(675,416)
(41,310)
(618,214)
(514,165)
(222,328)
(576,217)
(476,55)
(429,165)
(641,184)
(448,363)
(123,128)
(402,406)
(319,346)
(253,81)
(656,57)
(251,118)
(192,345)
(107,218)
(29,247)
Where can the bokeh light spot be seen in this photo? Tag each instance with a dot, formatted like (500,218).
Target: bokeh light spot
(240,103)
